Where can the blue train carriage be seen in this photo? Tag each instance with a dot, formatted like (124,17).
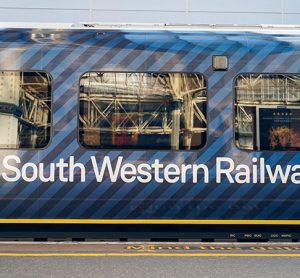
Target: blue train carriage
(150,125)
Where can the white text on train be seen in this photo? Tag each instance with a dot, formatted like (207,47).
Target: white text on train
(225,170)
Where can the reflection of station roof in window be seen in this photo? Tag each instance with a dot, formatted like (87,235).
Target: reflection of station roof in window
(268,88)
(36,82)
(143,85)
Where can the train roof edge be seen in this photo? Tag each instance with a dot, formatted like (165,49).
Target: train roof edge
(151,26)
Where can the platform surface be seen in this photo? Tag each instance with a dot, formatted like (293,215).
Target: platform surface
(134,259)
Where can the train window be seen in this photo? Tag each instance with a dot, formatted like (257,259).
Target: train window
(25,109)
(267,112)
(142,110)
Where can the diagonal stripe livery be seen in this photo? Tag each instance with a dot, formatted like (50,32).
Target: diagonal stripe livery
(77,51)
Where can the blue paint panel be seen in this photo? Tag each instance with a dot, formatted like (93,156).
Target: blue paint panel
(79,51)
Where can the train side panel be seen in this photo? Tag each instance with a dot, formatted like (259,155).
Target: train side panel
(69,54)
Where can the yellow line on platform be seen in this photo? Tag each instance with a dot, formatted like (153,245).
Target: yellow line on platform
(149,221)
(146,255)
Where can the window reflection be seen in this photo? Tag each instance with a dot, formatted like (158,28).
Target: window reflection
(25,109)
(142,110)
(267,115)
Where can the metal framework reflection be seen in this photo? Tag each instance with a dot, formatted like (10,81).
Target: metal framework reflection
(25,104)
(133,105)
(261,90)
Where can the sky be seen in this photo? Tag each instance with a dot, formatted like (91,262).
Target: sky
(152,11)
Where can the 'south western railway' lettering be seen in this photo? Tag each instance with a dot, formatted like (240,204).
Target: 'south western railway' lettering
(225,170)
